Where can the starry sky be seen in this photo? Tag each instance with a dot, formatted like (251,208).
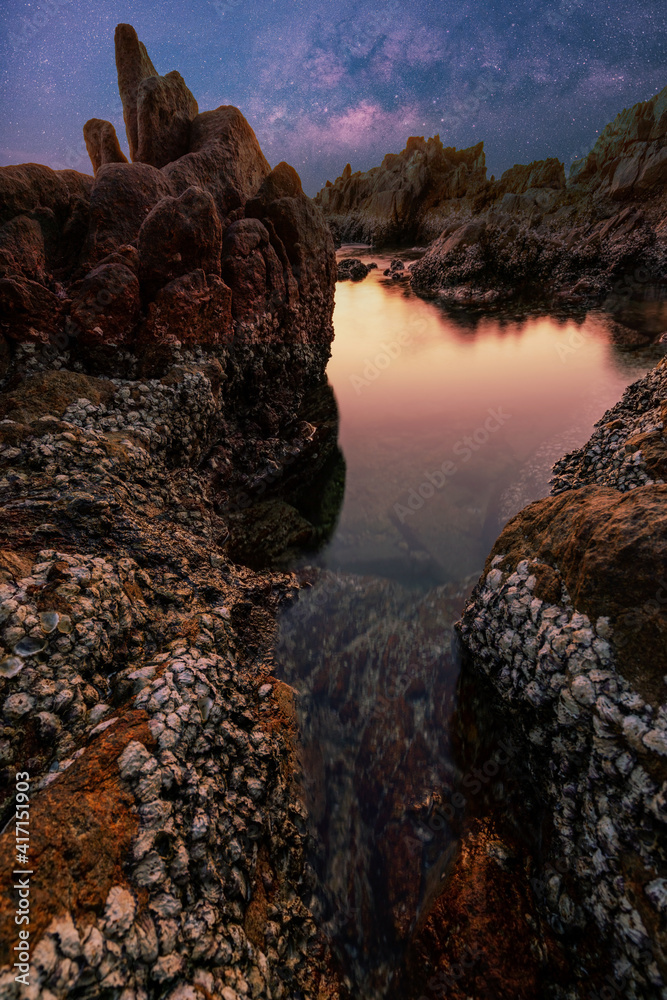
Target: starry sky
(325,83)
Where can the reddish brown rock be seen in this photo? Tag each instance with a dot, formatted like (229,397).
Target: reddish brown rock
(102,143)
(50,393)
(105,305)
(157,109)
(251,268)
(301,230)
(178,236)
(28,187)
(193,309)
(483,936)
(610,550)
(88,807)
(29,311)
(121,198)
(224,157)
(22,248)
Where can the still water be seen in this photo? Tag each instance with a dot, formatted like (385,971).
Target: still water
(449,425)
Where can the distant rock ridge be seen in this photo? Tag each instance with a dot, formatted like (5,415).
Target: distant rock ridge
(595,238)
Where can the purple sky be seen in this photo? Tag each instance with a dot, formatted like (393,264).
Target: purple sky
(325,83)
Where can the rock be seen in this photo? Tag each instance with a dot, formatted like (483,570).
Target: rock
(178,236)
(119,911)
(301,233)
(30,312)
(387,203)
(137,187)
(102,143)
(251,268)
(105,305)
(22,250)
(223,157)
(57,201)
(51,393)
(352,269)
(157,109)
(577,660)
(193,309)
(166,817)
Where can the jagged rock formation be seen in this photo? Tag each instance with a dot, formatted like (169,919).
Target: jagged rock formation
(165,329)
(597,238)
(568,622)
(388,203)
(158,110)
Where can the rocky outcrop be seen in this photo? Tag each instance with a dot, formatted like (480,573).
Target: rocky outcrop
(597,238)
(389,203)
(102,143)
(213,247)
(629,159)
(158,110)
(163,341)
(568,623)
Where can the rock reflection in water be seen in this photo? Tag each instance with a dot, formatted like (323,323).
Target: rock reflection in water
(373,667)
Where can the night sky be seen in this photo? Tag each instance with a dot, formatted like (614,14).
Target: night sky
(326,82)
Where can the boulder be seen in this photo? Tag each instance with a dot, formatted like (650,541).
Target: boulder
(353,269)
(223,157)
(102,143)
(178,236)
(194,309)
(122,197)
(105,305)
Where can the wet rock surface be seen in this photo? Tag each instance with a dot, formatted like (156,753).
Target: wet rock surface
(568,623)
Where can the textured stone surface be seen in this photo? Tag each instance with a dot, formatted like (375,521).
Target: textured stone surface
(102,143)
(569,624)
(179,235)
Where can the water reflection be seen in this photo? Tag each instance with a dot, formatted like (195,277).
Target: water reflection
(447,429)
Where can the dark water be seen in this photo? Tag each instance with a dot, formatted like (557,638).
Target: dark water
(449,426)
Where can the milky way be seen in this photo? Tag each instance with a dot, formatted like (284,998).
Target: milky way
(326,83)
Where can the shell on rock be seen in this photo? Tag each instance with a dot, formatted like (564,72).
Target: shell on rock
(49,621)
(29,646)
(10,666)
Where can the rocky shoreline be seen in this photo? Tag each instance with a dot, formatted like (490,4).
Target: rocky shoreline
(168,443)
(594,239)
(568,623)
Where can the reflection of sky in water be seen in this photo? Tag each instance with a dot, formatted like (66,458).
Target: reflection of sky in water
(412,385)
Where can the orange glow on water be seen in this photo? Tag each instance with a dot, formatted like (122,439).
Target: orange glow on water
(495,404)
